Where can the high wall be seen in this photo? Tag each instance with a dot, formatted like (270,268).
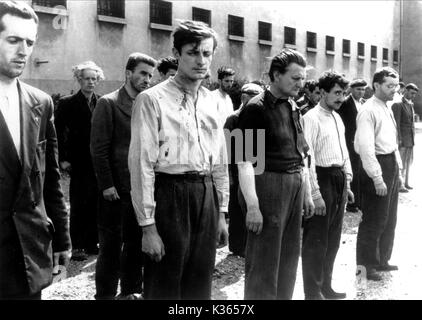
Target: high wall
(108,44)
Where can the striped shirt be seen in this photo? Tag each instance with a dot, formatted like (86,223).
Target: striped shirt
(376,134)
(171,134)
(324,133)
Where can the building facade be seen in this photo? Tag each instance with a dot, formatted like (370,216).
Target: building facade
(352,37)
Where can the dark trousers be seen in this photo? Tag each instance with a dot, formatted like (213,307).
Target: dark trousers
(237,225)
(120,254)
(355,184)
(379,216)
(186,217)
(36,296)
(321,234)
(272,256)
(83,196)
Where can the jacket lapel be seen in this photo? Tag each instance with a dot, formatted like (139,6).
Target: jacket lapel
(124,102)
(8,154)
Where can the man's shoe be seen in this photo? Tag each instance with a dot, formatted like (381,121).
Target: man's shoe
(386,267)
(79,255)
(131,296)
(408,187)
(92,251)
(373,275)
(353,209)
(403,190)
(329,293)
(315,296)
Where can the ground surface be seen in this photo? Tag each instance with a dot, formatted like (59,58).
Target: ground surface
(229,271)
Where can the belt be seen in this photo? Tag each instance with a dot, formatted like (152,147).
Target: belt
(188,175)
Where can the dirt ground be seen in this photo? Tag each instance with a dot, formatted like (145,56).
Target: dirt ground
(228,280)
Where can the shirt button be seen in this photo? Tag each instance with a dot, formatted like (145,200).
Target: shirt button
(34,204)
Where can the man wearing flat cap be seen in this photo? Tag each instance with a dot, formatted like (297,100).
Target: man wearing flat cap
(348,113)
(237,225)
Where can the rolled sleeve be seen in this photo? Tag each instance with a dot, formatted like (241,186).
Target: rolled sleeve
(220,174)
(143,155)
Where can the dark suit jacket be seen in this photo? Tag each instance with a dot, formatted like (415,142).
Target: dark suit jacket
(403,113)
(73,124)
(110,139)
(348,113)
(33,216)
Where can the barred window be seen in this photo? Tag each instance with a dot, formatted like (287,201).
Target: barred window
(385,54)
(289,35)
(264,31)
(203,15)
(373,52)
(329,43)
(346,46)
(396,56)
(111,8)
(361,49)
(236,26)
(311,40)
(49,3)
(160,12)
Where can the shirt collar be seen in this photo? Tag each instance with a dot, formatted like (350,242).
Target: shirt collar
(324,111)
(7,90)
(272,101)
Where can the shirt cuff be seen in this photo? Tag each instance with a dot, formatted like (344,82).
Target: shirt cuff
(378,180)
(224,209)
(316,195)
(147,222)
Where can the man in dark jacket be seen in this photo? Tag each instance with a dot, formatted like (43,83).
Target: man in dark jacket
(34,222)
(117,225)
(73,124)
(348,113)
(404,115)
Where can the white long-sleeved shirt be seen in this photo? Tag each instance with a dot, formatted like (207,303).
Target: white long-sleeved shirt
(376,134)
(324,133)
(9,107)
(224,105)
(169,134)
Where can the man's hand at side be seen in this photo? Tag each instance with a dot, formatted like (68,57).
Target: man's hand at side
(222,232)
(254,220)
(152,244)
(110,194)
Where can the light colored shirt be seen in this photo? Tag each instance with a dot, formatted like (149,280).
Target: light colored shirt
(171,134)
(325,134)
(224,105)
(9,107)
(376,134)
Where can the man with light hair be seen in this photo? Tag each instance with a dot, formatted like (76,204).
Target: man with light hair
(73,124)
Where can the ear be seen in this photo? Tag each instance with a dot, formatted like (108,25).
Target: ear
(176,53)
(376,85)
(128,73)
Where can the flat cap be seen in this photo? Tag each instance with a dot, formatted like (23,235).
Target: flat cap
(358,83)
(251,89)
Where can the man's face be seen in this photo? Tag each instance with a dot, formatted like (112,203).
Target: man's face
(168,74)
(315,95)
(16,45)
(88,80)
(195,59)
(291,81)
(226,83)
(386,90)
(140,78)
(334,98)
(357,92)
(410,94)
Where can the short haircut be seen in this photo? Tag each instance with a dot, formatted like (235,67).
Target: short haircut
(136,58)
(223,72)
(381,73)
(358,83)
(412,86)
(401,84)
(165,64)
(329,79)
(192,32)
(87,65)
(282,61)
(18,9)
(311,85)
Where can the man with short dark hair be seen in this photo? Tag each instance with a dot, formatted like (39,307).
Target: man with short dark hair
(167,67)
(221,95)
(404,115)
(348,113)
(330,177)
(179,177)
(34,222)
(376,143)
(310,98)
(275,198)
(120,236)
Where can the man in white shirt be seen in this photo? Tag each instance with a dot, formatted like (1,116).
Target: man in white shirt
(330,177)
(224,102)
(376,143)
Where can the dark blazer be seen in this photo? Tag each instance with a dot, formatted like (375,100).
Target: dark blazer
(348,113)
(110,139)
(73,124)
(403,113)
(33,216)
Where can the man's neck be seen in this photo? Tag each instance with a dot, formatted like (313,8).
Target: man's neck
(224,93)
(87,95)
(189,85)
(276,92)
(356,99)
(325,107)
(380,98)
(131,91)
(6,83)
